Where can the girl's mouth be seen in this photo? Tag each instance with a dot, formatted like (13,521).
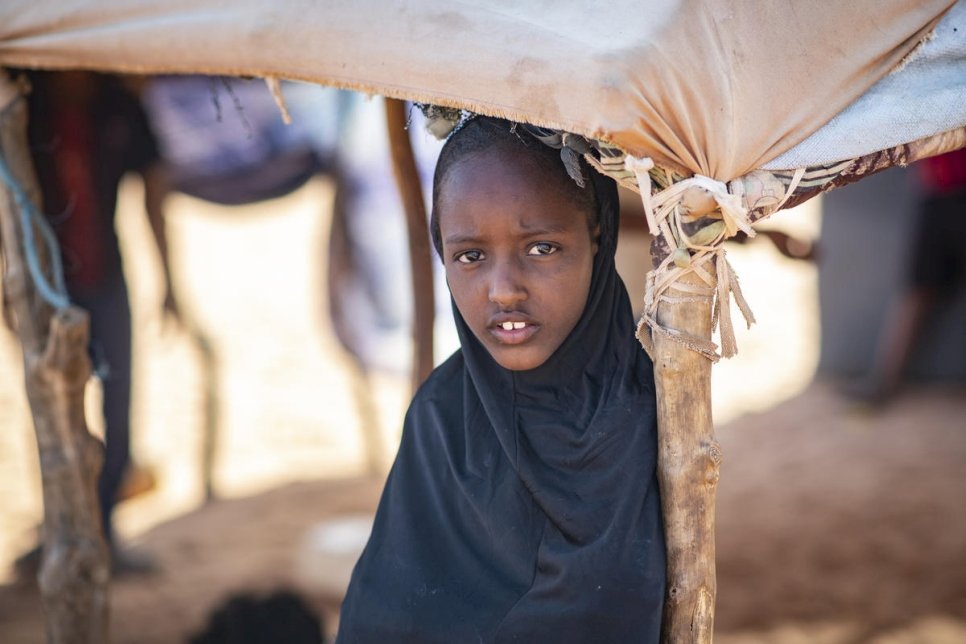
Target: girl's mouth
(513,331)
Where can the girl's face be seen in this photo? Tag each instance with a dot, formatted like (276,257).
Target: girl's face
(518,255)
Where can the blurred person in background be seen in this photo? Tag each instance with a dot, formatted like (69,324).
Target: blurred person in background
(937,269)
(223,140)
(86,132)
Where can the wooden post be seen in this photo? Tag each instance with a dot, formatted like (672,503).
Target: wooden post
(688,464)
(74,573)
(420,259)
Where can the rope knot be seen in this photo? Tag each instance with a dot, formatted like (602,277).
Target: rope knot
(686,202)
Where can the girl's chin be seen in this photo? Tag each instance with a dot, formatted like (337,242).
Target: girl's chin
(516,358)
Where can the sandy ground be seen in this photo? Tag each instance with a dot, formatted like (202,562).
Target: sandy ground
(835,524)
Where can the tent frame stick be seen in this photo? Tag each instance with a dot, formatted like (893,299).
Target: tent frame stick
(74,573)
(420,258)
(688,465)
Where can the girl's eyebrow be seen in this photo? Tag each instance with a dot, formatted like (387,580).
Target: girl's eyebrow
(461,239)
(529,231)
(532,231)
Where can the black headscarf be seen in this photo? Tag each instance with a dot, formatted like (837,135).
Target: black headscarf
(523,505)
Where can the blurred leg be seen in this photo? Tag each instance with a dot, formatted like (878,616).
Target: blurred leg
(111,348)
(899,336)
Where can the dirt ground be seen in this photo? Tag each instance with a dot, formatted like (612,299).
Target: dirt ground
(836,525)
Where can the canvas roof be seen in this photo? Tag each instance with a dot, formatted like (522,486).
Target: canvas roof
(716,87)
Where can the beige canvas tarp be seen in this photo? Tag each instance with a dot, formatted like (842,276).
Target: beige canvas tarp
(715,87)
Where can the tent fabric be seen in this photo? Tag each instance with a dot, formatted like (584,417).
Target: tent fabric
(925,97)
(713,87)
(842,174)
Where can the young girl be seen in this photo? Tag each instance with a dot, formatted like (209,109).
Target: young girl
(523,503)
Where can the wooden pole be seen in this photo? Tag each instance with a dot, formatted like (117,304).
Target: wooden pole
(688,464)
(420,259)
(74,573)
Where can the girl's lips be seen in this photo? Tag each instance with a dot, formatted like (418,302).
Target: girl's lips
(513,336)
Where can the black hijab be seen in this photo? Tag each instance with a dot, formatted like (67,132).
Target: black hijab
(523,505)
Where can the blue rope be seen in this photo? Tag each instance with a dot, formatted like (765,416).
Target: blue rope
(55,295)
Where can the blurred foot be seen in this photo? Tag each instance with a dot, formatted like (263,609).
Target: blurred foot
(27,565)
(126,561)
(870,392)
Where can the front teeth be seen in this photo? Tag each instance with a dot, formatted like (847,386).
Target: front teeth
(510,326)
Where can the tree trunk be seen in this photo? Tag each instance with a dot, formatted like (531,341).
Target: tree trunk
(420,259)
(688,464)
(74,573)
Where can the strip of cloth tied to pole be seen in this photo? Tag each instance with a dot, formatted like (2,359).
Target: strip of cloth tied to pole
(689,218)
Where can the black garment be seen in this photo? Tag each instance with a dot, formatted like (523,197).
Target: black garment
(112,138)
(523,506)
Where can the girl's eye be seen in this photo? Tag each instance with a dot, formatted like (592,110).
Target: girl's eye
(469,256)
(542,248)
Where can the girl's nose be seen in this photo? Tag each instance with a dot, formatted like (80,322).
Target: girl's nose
(506,287)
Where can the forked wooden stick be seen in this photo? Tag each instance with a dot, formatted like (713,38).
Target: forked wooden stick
(74,573)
